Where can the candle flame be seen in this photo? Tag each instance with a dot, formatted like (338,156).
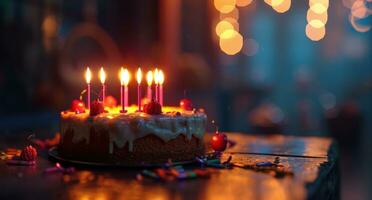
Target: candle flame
(149,78)
(88,75)
(102,75)
(124,77)
(161,77)
(139,76)
(156,76)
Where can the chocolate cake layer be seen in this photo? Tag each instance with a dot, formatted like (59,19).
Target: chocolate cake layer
(133,137)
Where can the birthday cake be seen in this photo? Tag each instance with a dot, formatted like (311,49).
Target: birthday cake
(133,137)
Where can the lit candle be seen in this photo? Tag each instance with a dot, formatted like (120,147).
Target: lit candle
(156,81)
(124,81)
(88,77)
(139,79)
(102,76)
(161,81)
(149,83)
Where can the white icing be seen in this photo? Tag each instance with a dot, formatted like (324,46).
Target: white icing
(127,127)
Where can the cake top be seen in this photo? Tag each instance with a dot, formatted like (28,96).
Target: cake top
(128,126)
(115,113)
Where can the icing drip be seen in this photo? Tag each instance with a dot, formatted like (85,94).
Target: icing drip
(125,128)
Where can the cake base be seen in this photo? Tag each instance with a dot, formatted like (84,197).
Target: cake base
(55,155)
(147,151)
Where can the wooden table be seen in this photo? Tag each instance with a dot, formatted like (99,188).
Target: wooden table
(313,160)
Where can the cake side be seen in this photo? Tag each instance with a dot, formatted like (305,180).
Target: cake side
(133,137)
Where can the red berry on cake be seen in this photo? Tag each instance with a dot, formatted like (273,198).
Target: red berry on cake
(186,104)
(29,153)
(219,142)
(77,106)
(152,108)
(96,107)
(110,101)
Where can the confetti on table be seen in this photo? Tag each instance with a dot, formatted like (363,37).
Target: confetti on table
(274,168)
(20,162)
(59,169)
(215,163)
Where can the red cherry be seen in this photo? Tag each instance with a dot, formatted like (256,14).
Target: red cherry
(219,142)
(29,153)
(77,106)
(110,101)
(152,108)
(96,107)
(186,104)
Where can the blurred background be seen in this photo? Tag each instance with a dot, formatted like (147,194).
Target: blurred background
(273,66)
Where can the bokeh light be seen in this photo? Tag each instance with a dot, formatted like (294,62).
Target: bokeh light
(224,6)
(318,8)
(233,14)
(50,26)
(316,23)
(317,18)
(223,26)
(242,3)
(283,7)
(358,27)
(268,2)
(359,9)
(231,42)
(315,34)
(311,15)
(275,3)
(325,3)
(233,21)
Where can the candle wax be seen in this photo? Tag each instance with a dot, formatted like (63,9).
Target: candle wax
(139,97)
(88,96)
(103,93)
(161,95)
(157,92)
(126,96)
(149,93)
(122,97)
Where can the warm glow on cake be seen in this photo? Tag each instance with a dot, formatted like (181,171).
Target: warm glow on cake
(130,110)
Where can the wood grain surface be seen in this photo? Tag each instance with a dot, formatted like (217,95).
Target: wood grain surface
(313,161)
